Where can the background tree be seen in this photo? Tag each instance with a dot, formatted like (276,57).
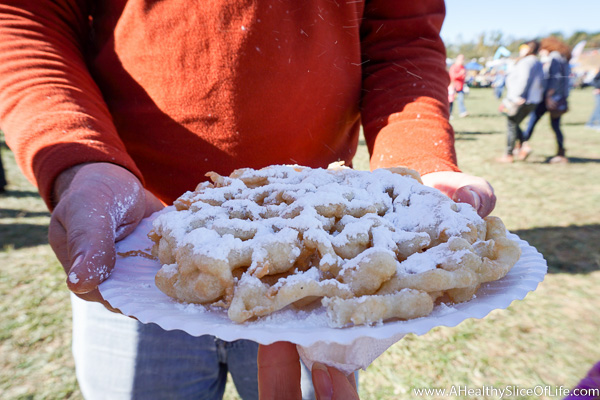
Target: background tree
(486,44)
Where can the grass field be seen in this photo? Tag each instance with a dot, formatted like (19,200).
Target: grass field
(548,339)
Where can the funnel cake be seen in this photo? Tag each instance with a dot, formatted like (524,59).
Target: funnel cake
(367,246)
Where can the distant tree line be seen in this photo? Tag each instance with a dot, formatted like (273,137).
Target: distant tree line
(486,44)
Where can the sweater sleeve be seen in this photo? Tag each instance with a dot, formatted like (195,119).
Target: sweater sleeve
(51,111)
(404,105)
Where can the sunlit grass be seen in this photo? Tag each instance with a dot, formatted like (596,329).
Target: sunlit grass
(550,338)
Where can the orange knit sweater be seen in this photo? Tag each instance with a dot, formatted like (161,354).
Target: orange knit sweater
(173,89)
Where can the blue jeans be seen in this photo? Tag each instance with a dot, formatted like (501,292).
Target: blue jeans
(595,117)
(498,91)
(117,357)
(460,98)
(535,116)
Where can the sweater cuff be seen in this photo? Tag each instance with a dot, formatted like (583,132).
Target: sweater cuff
(420,138)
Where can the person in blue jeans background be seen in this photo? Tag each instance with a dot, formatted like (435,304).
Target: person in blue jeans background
(555,54)
(458,74)
(499,83)
(524,91)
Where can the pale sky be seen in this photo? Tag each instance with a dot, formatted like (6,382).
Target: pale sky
(518,18)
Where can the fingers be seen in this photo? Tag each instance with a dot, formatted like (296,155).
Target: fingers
(279,376)
(332,384)
(279,371)
(464,188)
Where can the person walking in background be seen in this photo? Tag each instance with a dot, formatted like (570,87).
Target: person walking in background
(458,74)
(524,92)
(499,83)
(555,55)
(594,121)
(451,97)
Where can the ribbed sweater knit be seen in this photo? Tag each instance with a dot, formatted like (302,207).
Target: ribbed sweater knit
(172,89)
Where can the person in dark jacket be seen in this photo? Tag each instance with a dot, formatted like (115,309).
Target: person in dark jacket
(555,54)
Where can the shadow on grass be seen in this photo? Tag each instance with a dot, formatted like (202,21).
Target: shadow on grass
(486,115)
(579,160)
(572,160)
(10,213)
(572,123)
(467,133)
(19,194)
(18,236)
(572,249)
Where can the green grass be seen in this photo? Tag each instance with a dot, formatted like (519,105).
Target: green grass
(550,338)
(35,336)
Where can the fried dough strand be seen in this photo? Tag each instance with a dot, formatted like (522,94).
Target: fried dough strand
(372,246)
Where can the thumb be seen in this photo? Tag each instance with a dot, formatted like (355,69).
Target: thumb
(480,198)
(92,251)
(467,195)
(104,203)
(82,234)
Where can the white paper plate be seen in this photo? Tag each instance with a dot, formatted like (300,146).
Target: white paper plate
(131,289)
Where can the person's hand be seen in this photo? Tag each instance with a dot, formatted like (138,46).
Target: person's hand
(279,376)
(96,205)
(464,188)
(551,104)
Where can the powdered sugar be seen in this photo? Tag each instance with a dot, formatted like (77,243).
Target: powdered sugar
(73,278)
(392,206)
(313,274)
(170,269)
(265,217)
(430,259)
(190,308)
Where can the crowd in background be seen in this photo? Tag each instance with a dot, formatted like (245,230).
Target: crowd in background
(536,82)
